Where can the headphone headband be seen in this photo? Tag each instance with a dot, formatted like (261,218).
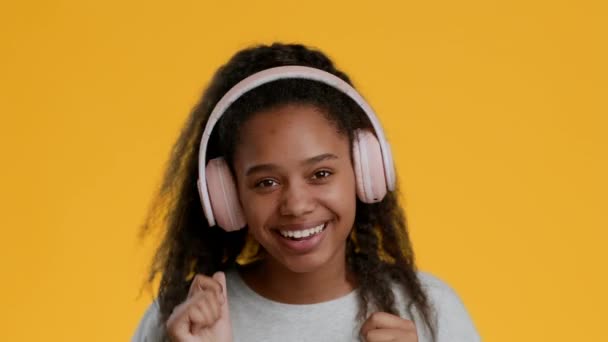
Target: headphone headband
(279,73)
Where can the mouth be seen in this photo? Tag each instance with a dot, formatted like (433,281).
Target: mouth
(303,234)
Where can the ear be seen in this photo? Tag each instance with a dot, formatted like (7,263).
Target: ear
(369,167)
(223,196)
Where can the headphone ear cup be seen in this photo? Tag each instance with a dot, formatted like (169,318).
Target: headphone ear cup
(223,196)
(369,167)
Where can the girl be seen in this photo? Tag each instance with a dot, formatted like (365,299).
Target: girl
(301,236)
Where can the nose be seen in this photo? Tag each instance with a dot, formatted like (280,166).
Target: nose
(296,200)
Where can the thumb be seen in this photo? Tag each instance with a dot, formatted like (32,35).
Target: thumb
(222,329)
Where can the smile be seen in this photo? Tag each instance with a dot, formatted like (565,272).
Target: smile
(303,234)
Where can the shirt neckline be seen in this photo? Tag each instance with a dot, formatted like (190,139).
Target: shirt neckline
(253,296)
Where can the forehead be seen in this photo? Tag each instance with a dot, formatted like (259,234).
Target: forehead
(289,133)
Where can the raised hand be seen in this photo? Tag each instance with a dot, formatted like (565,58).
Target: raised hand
(204,315)
(384,327)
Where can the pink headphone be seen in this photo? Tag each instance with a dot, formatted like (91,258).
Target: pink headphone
(373,162)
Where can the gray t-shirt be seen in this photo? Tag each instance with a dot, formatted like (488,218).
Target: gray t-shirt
(255,318)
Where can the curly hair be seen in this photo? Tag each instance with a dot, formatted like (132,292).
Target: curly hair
(381,255)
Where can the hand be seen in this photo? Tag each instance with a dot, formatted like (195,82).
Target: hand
(384,327)
(203,316)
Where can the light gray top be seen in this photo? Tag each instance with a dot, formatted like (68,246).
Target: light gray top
(255,318)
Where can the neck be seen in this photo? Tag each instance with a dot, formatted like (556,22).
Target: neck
(272,280)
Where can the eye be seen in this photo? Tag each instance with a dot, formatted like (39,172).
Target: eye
(266,183)
(321,174)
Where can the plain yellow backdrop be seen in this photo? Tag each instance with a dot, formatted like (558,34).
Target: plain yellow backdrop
(496,111)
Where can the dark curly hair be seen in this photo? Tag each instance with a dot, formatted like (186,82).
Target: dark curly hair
(381,255)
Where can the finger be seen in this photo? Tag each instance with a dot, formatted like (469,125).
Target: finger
(206,310)
(220,277)
(383,320)
(378,335)
(386,335)
(203,283)
(223,328)
(197,318)
(178,326)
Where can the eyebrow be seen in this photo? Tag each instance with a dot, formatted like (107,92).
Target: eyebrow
(307,162)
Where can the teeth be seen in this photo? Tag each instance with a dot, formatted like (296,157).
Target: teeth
(297,234)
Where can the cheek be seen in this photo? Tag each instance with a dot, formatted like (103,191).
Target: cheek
(341,197)
(257,209)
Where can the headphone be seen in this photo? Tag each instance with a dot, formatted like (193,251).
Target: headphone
(372,159)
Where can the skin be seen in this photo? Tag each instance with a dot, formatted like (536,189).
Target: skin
(203,316)
(292,169)
(293,188)
(384,327)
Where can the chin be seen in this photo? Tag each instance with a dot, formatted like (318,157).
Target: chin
(308,263)
(303,266)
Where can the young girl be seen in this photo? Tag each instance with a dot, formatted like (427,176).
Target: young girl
(300,236)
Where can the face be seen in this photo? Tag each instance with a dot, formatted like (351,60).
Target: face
(297,186)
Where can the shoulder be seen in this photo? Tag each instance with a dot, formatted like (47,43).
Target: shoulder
(453,320)
(436,287)
(150,328)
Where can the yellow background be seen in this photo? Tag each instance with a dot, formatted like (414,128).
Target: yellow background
(496,111)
